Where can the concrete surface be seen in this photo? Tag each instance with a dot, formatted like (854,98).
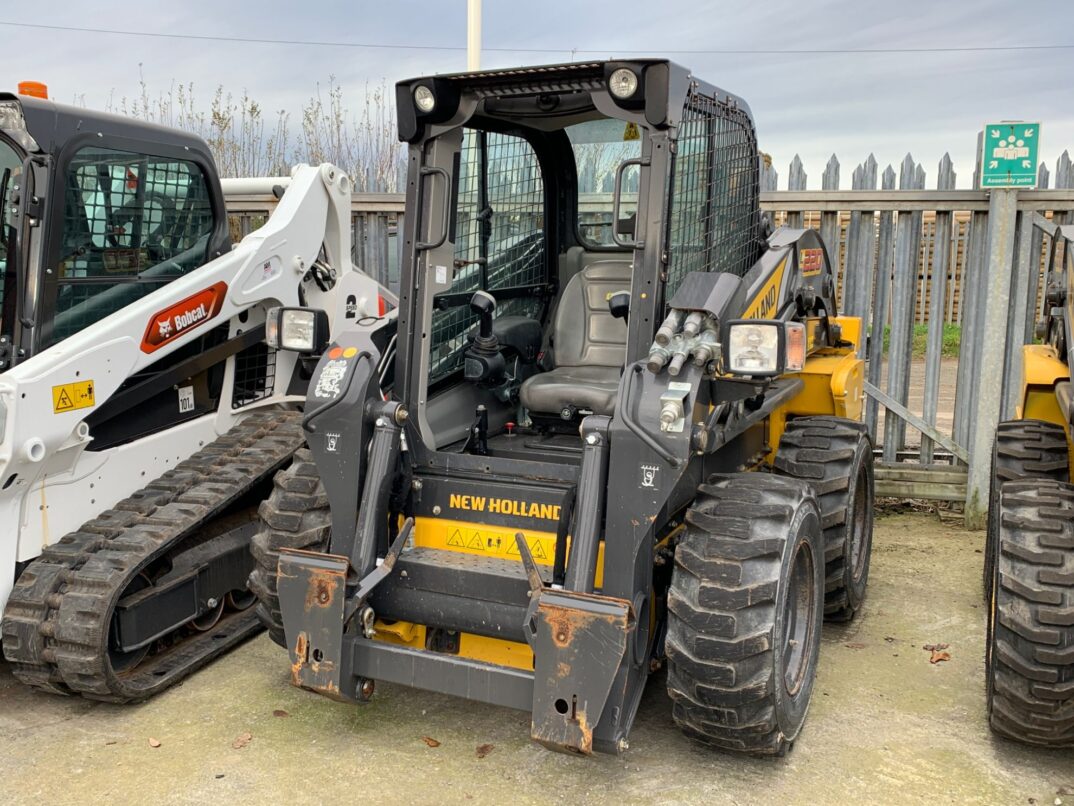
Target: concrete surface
(886,726)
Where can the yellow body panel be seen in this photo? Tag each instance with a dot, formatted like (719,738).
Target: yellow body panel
(764,304)
(833,383)
(1041,370)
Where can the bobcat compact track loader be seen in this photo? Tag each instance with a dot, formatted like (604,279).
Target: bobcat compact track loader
(617,425)
(141,413)
(1029,550)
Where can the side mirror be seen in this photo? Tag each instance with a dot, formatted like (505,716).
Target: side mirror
(300,330)
(619,304)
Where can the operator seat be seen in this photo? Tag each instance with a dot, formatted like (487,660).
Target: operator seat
(588,345)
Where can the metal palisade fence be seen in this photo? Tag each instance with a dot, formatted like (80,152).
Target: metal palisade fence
(912,262)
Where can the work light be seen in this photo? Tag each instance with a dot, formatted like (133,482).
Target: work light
(301,330)
(623,83)
(762,347)
(424,98)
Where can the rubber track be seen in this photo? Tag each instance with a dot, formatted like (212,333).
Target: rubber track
(56,625)
(1031,673)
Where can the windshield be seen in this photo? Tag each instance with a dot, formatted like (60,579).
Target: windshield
(10,169)
(600,147)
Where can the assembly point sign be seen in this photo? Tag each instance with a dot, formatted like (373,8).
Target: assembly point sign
(1009,155)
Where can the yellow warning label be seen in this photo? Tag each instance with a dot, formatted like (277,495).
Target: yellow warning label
(71,396)
(631,132)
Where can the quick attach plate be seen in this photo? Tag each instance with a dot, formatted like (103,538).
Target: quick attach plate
(578,641)
(312,588)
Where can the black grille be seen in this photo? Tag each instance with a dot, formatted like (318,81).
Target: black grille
(255,375)
(714,220)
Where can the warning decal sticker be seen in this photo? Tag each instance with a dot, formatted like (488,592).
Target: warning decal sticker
(175,320)
(71,396)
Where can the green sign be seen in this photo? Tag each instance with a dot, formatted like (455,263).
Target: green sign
(1009,157)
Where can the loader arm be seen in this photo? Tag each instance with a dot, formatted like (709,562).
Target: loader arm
(46,400)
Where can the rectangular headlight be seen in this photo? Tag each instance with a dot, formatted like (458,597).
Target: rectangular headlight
(301,330)
(753,347)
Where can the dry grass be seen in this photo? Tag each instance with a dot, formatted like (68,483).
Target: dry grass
(248,140)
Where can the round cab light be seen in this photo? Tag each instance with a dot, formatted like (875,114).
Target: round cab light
(424,98)
(623,83)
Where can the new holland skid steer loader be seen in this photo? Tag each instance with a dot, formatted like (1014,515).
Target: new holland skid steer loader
(1029,552)
(141,413)
(620,427)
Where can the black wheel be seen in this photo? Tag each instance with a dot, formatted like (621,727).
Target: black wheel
(1030,647)
(835,456)
(1024,449)
(744,613)
(294,516)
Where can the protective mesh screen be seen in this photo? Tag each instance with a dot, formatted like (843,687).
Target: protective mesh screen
(713,205)
(255,375)
(499,239)
(131,223)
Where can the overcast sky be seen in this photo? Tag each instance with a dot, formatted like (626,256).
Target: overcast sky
(813,105)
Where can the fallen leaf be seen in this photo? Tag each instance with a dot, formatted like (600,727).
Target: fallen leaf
(280,712)
(855,645)
(154,742)
(934,647)
(938,656)
(242,741)
(429,740)
(484,749)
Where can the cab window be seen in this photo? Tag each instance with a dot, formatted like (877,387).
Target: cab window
(498,232)
(131,223)
(600,147)
(10,168)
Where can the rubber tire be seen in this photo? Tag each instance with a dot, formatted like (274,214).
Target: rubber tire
(1030,647)
(835,456)
(726,609)
(295,516)
(1023,449)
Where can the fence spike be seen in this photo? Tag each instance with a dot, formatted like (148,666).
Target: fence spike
(945,174)
(796,175)
(906,172)
(830,178)
(856,178)
(919,177)
(869,176)
(1042,176)
(1063,171)
(889,178)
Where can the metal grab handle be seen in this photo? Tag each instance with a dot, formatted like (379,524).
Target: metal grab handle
(617,200)
(423,246)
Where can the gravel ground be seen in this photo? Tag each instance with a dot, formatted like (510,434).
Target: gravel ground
(886,726)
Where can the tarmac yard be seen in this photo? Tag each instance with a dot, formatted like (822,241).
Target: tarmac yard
(886,726)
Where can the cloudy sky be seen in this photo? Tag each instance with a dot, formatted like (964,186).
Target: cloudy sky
(806,103)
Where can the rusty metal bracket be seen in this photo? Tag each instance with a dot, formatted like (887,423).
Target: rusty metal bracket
(315,609)
(578,640)
(311,588)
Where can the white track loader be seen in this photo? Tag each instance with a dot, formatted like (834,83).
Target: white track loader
(142,413)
